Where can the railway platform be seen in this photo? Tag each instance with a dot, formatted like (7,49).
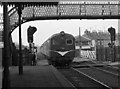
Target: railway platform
(38,77)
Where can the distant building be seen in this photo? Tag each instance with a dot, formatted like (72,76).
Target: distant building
(1,30)
(85,42)
(1,38)
(92,39)
(118,37)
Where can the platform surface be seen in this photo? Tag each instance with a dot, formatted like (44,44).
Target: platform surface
(39,76)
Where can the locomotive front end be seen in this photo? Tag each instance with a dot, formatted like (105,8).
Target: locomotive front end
(62,49)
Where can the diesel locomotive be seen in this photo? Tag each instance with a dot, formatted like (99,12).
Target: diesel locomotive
(59,49)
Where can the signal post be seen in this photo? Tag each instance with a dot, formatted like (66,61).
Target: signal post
(30,31)
(112,32)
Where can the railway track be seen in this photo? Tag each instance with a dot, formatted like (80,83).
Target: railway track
(81,80)
(108,70)
(90,75)
(104,75)
(100,67)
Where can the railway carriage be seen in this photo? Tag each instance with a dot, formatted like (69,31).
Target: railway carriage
(59,49)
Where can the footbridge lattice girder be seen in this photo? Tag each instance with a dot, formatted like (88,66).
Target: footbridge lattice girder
(63,10)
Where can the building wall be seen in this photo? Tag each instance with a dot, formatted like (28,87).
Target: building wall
(1,32)
(98,42)
(93,43)
(105,43)
(85,45)
(117,43)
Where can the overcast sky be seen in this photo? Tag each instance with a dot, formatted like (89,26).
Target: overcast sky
(46,28)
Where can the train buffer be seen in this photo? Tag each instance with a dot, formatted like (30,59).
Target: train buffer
(35,77)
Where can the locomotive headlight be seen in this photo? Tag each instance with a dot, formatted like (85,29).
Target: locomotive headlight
(62,33)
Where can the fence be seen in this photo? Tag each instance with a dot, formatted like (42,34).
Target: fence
(101,54)
(88,54)
(108,54)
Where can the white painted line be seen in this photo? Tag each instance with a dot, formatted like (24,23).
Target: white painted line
(1,69)
(92,78)
(61,77)
(71,84)
(117,68)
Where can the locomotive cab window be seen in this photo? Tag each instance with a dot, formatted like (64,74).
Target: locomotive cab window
(69,41)
(55,42)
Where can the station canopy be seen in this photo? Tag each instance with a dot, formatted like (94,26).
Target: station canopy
(57,9)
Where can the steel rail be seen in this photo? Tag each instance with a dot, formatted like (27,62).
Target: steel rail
(106,71)
(92,79)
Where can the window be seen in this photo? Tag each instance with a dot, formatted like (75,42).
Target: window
(55,42)
(98,42)
(69,42)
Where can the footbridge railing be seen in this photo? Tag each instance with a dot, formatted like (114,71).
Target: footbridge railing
(62,10)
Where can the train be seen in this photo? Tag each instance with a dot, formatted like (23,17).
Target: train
(59,49)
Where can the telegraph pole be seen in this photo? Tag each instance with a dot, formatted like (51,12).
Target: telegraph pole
(79,42)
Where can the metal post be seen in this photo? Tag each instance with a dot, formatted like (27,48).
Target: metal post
(20,42)
(6,56)
(112,51)
(113,47)
(30,46)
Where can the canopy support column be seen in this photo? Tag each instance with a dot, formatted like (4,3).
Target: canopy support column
(20,42)
(6,56)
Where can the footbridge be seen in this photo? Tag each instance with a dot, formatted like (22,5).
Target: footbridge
(60,9)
